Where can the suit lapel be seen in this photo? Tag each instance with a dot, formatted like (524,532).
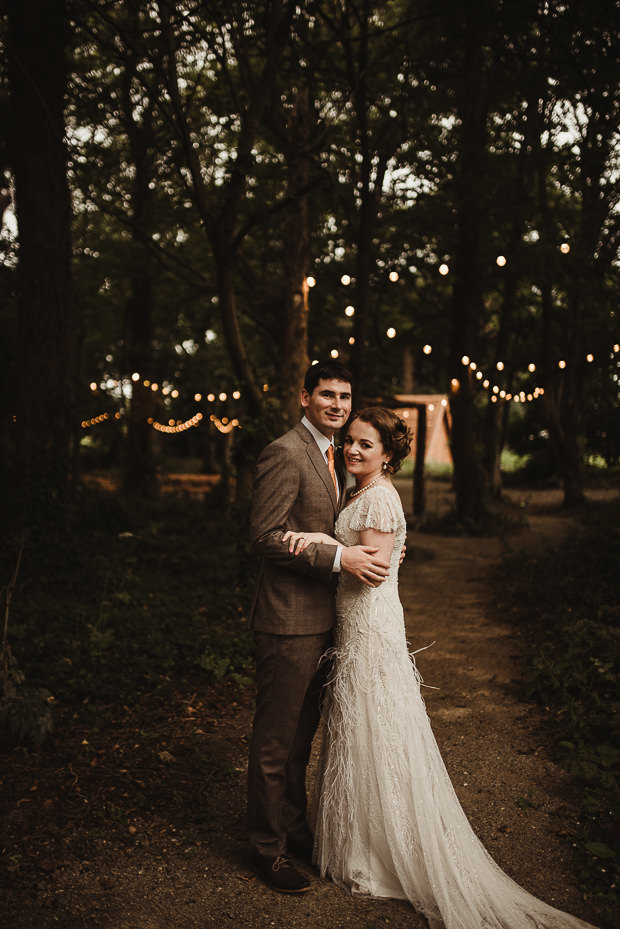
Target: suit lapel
(320,465)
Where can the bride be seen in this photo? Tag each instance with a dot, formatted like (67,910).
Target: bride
(389,823)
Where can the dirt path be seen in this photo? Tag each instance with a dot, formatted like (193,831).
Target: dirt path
(519,802)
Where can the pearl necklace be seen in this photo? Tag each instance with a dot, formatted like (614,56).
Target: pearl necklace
(367,487)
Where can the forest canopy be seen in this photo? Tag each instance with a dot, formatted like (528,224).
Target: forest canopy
(199,199)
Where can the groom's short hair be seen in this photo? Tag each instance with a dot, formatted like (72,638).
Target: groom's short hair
(326,371)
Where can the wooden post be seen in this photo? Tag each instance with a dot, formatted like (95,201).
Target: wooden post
(419,498)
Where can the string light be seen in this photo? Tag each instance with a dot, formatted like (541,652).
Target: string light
(427,349)
(223,397)
(352,340)
(393,276)
(590,357)
(334,353)
(465,360)
(500,261)
(197,397)
(391,332)
(224,425)
(345,279)
(236,394)
(178,427)
(310,281)
(444,269)
(565,248)
(349,311)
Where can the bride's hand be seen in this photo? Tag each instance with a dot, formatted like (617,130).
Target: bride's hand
(297,541)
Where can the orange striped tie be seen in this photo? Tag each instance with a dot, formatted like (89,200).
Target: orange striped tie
(330,465)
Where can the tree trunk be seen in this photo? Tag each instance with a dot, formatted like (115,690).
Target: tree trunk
(467,297)
(45,390)
(139,475)
(294,352)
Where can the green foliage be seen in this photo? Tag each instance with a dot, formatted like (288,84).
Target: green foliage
(123,604)
(568,601)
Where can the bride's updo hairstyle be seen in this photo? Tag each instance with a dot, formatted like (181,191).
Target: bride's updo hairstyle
(394,434)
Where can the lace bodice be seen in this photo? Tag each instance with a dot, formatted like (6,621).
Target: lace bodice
(371,611)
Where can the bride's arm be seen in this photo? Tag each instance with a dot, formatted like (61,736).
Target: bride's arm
(382,541)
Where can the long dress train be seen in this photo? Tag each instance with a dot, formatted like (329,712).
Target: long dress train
(389,823)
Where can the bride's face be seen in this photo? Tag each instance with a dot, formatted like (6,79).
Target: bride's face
(363,452)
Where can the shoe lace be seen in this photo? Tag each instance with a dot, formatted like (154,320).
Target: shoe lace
(280,860)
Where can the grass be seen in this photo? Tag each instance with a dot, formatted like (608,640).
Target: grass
(568,604)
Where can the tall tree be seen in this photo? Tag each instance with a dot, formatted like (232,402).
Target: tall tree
(36,44)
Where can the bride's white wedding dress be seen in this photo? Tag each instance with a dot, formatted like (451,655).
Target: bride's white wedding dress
(389,823)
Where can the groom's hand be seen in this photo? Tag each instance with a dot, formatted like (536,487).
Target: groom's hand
(363,563)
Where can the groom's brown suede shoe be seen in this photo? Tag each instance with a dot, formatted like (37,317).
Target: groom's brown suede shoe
(279,874)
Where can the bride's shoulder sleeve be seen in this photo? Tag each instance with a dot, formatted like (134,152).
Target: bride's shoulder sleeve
(379,509)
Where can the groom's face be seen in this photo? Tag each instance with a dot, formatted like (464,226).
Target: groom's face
(328,406)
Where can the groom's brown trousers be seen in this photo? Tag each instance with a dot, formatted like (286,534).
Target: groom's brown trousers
(289,680)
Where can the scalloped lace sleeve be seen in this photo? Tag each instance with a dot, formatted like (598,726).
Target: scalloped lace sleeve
(379,509)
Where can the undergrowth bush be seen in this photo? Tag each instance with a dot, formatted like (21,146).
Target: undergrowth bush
(137,597)
(568,604)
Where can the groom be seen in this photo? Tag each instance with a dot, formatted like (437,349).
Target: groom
(298,487)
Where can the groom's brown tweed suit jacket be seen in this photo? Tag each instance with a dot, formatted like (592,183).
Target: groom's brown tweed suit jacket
(293,490)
